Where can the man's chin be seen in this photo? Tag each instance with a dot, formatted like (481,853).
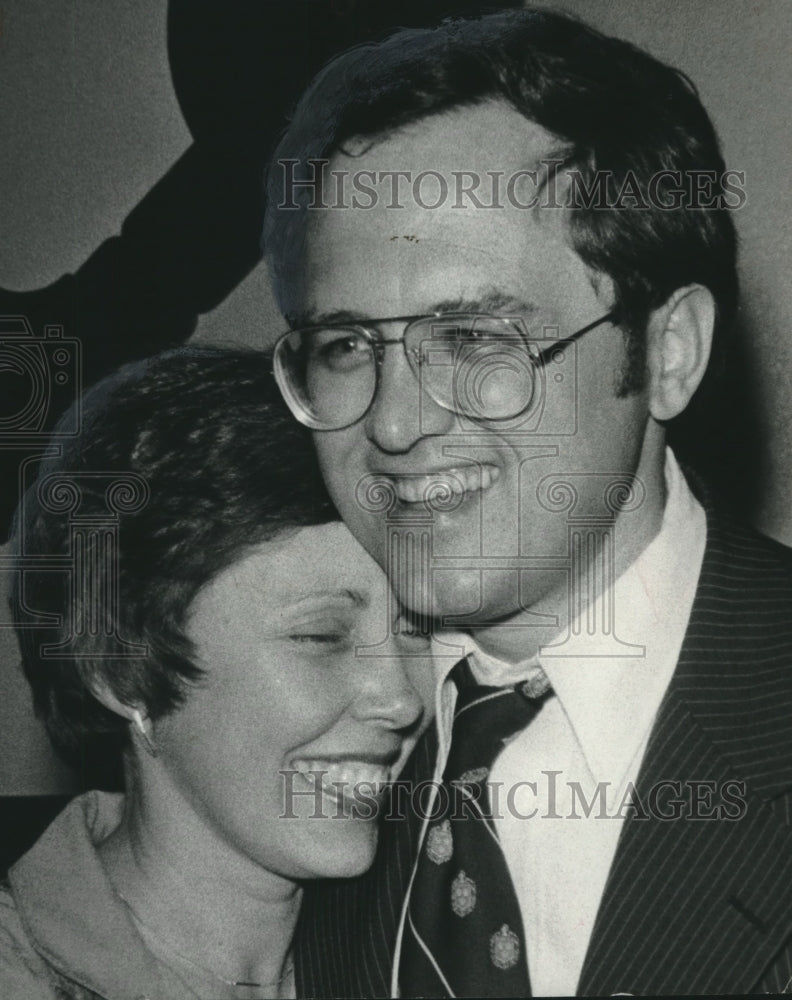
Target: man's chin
(445,594)
(462,599)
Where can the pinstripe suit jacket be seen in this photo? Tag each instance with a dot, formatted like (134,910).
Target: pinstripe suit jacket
(690,906)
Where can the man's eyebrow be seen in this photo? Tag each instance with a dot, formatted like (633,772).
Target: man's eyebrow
(312,318)
(493,301)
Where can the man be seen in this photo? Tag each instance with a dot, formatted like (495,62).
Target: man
(506,280)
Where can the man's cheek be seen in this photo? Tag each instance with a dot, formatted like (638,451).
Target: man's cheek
(370,528)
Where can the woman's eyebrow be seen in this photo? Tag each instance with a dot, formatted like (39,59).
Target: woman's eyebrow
(345,595)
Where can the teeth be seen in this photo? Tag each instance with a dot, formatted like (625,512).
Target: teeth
(457,482)
(344,775)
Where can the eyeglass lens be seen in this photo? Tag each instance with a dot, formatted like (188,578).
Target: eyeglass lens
(478,366)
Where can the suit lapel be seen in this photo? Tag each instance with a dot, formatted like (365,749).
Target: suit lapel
(692,906)
(703,905)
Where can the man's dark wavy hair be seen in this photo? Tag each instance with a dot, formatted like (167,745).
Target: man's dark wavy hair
(226,468)
(613,108)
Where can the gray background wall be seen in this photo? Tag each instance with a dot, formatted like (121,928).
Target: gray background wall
(88,122)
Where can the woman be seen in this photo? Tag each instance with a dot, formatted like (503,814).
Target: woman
(224,636)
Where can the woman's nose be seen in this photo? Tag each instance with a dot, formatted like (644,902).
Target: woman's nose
(386,695)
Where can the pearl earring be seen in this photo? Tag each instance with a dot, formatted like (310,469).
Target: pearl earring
(142,732)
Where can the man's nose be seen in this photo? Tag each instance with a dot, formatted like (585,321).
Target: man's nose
(402,412)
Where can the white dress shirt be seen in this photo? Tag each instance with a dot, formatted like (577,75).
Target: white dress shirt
(583,751)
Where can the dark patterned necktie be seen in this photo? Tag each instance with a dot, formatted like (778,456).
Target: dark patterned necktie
(463,936)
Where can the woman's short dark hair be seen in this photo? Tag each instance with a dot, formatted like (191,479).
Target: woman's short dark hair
(184,462)
(620,115)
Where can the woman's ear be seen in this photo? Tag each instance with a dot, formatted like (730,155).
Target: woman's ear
(103,693)
(140,724)
(679,343)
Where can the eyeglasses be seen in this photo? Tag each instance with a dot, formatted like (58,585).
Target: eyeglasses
(479,366)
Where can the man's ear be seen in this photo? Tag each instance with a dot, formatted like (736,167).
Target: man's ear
(679,343)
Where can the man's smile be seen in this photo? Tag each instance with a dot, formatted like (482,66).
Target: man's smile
(442,484)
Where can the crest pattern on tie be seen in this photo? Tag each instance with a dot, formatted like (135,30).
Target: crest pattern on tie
(463,934)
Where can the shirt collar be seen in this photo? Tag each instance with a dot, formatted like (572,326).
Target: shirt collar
(611,702)
(72,913)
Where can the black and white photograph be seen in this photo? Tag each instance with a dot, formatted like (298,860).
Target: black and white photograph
(395,476)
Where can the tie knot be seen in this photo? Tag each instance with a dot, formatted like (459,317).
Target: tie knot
(533,688)
(536,686)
